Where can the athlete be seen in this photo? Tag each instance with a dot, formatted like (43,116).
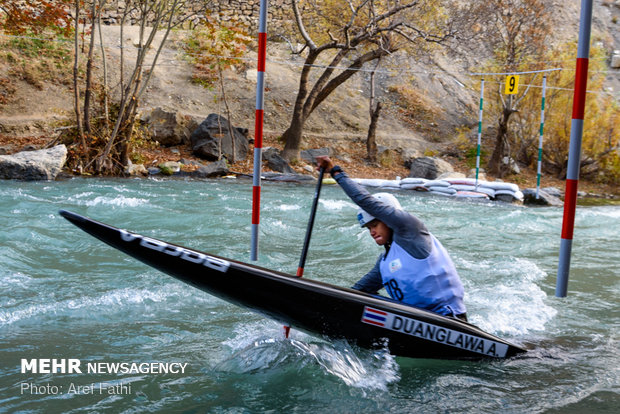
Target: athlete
(415,268)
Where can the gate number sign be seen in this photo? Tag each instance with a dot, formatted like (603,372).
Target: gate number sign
(512,84)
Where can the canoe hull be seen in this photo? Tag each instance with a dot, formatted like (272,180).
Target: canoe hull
(315,307)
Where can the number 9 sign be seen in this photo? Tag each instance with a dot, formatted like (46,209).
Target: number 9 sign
(512,84)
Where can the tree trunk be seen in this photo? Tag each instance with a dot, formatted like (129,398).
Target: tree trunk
(496,162)
(292,135)
(230,127)
(371,143)
(89,71)
(292,138)
(76,88)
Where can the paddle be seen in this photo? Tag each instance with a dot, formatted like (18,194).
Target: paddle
(304,251)
(315,202)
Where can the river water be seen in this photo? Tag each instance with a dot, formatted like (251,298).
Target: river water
(67,296)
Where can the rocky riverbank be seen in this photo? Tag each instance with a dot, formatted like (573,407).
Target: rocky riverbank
(180,162)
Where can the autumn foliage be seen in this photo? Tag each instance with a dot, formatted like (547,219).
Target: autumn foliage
(36,16)
(215,47)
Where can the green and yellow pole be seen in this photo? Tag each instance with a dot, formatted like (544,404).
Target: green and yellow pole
(540,140)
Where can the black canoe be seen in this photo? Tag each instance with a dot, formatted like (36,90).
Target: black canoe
(370,321)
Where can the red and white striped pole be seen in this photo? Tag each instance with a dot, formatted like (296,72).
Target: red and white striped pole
(574,152)
(258,126)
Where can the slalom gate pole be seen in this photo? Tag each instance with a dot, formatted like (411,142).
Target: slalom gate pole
(304,250)
(479,130)
(574,152)
(258,127)
(540,140)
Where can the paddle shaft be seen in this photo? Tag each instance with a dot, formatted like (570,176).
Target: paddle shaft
(315,202)
(304,251)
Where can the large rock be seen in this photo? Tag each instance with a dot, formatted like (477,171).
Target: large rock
(544,198)
(206,138)
(213,169)
(275,161)
(310,155)
(429,168)
(168,128)
(42,164)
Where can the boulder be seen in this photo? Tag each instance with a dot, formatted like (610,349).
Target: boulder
(429,168)
(205,139)
(212,169)
(409,155)
(42,164)
(136,169)
(275,162)
(173,166)
(310,155)
(167,128)
(554,191)
(544,199)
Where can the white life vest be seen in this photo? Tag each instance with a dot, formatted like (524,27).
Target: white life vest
(431,283)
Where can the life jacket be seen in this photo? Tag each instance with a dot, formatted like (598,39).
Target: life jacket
(431,283)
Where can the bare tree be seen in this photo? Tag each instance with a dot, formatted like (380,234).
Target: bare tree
(154,16)
(517,30)
(353,33)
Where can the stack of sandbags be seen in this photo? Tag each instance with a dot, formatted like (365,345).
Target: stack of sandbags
(457,187)
(492,189)
(440,187)
(467,187)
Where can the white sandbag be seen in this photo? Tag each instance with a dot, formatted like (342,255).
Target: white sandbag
(518,195)
(412,180)
(462,181)
(445,190)
(463,187)
(369,182)
(436,183)
(470,194)
(499,185)
(390,184)
(485,190)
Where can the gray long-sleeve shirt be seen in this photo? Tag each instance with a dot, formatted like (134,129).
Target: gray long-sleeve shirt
(408,231)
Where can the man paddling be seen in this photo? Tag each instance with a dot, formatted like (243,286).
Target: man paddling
(415,268)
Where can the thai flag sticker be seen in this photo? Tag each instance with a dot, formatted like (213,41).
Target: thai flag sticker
(374,316)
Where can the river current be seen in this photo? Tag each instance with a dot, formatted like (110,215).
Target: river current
(65,295)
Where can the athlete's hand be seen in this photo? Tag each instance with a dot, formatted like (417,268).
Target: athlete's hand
(324,161)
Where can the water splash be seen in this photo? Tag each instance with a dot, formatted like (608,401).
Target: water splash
(370,370)
(505,298)
(118,201)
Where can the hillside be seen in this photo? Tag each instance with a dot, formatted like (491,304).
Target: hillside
(441,97)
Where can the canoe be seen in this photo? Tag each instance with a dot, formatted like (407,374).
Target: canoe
(370,321)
